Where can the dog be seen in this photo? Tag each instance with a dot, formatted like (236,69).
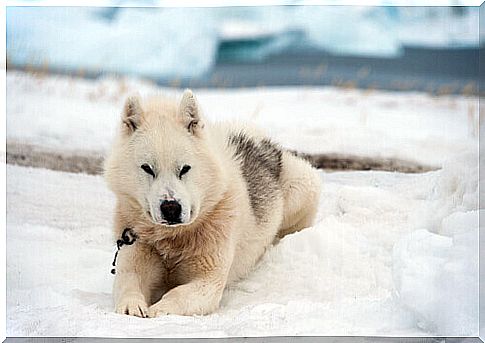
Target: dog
(204,200)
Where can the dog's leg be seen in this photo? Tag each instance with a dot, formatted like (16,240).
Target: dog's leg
(139,277)
(201,295)
(196,297)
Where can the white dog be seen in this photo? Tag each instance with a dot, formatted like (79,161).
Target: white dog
(204,201)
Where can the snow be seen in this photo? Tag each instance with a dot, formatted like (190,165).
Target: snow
(442,262)
(367,267)
(171,43)
(390,253)
(410,126)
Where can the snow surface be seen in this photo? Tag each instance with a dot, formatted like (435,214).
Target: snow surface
(76,114)
(183,42)
(390,253)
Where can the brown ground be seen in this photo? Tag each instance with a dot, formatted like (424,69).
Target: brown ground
(91,163)
(74,162)
(339,162)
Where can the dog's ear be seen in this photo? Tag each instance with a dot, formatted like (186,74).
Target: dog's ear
(190,114)
(132,114)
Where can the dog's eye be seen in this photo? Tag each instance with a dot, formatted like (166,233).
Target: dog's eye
(147,169)
(184,170)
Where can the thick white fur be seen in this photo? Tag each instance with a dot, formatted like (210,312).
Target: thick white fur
(184,269)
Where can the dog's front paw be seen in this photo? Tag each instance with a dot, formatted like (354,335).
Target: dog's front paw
(133,306)
(158,310)
(182,308)
(166,306)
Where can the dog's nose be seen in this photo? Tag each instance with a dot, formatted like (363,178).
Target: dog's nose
(171,210)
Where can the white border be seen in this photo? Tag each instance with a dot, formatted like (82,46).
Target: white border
(156,3)
(221,3)
(3,180)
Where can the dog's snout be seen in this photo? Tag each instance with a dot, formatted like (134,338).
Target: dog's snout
(171,211)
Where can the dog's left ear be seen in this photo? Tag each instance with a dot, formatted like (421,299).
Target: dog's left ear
(190,114)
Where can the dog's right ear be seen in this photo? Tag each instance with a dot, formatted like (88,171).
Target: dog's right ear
(190,114)
(132,114)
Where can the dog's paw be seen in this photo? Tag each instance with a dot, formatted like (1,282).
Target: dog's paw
(158,310)
(133,306)
(164,307)
(181,308)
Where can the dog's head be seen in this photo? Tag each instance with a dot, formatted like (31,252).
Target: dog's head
(162,160)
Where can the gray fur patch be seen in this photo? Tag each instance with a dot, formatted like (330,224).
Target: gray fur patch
(261,163)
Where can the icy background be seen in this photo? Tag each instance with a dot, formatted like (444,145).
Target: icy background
(390,253)
(164,43)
